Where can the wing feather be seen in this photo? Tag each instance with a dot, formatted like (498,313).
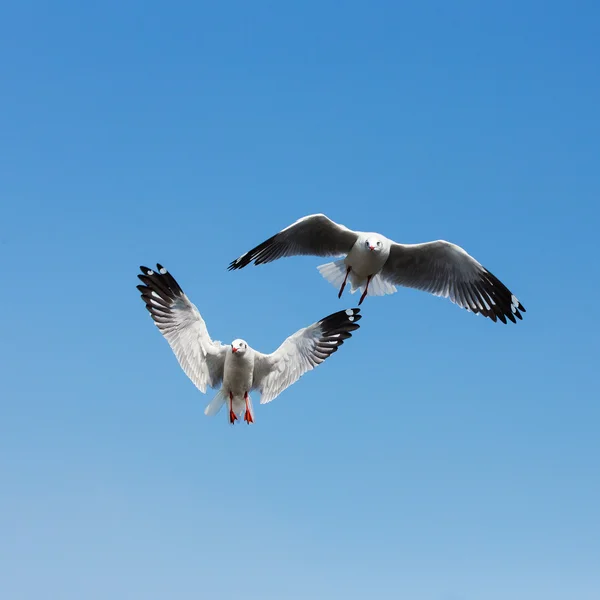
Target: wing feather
(314,235)
(302,352)
(446,270)
(179,321)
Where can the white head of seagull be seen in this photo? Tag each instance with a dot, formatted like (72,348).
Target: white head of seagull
(373,244)
(239,347)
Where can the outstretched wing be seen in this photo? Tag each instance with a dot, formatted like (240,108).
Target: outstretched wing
(302,352)
(446,270)
(312,235)
(182,326)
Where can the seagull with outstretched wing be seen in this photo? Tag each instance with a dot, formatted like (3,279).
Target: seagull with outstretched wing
(237,367)
(375,265)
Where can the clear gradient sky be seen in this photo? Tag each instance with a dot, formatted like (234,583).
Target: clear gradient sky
(437,455)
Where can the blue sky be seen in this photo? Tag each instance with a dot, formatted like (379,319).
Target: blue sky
(437,455)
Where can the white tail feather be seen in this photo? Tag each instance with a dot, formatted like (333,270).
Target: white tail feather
(380,287)
(356,282)
(239,405)
(377,287)
(334,272)
(216,404)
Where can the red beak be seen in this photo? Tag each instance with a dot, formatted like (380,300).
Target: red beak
(371,247)
(233,350)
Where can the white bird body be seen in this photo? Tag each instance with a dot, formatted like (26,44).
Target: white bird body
(361,267)
(375,264)
(238,376)
(238,372)
(365,262)
(237,367)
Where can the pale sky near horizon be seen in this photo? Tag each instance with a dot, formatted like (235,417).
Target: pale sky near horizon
(436,455)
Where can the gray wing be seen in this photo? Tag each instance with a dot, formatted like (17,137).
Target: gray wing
(302,352)
(446,270)
(312,235)
(182,326)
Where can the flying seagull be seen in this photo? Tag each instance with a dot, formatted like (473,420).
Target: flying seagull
(375,264)
(237,367)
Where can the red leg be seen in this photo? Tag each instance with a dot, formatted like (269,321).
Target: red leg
(365,292)
(248,416)
(232,415)
(344,284)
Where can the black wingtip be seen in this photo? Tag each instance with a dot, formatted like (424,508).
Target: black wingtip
(234,264)
(499,302)
(160,281)
(342,321)
(265,252)
(335,330)
(240,262)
